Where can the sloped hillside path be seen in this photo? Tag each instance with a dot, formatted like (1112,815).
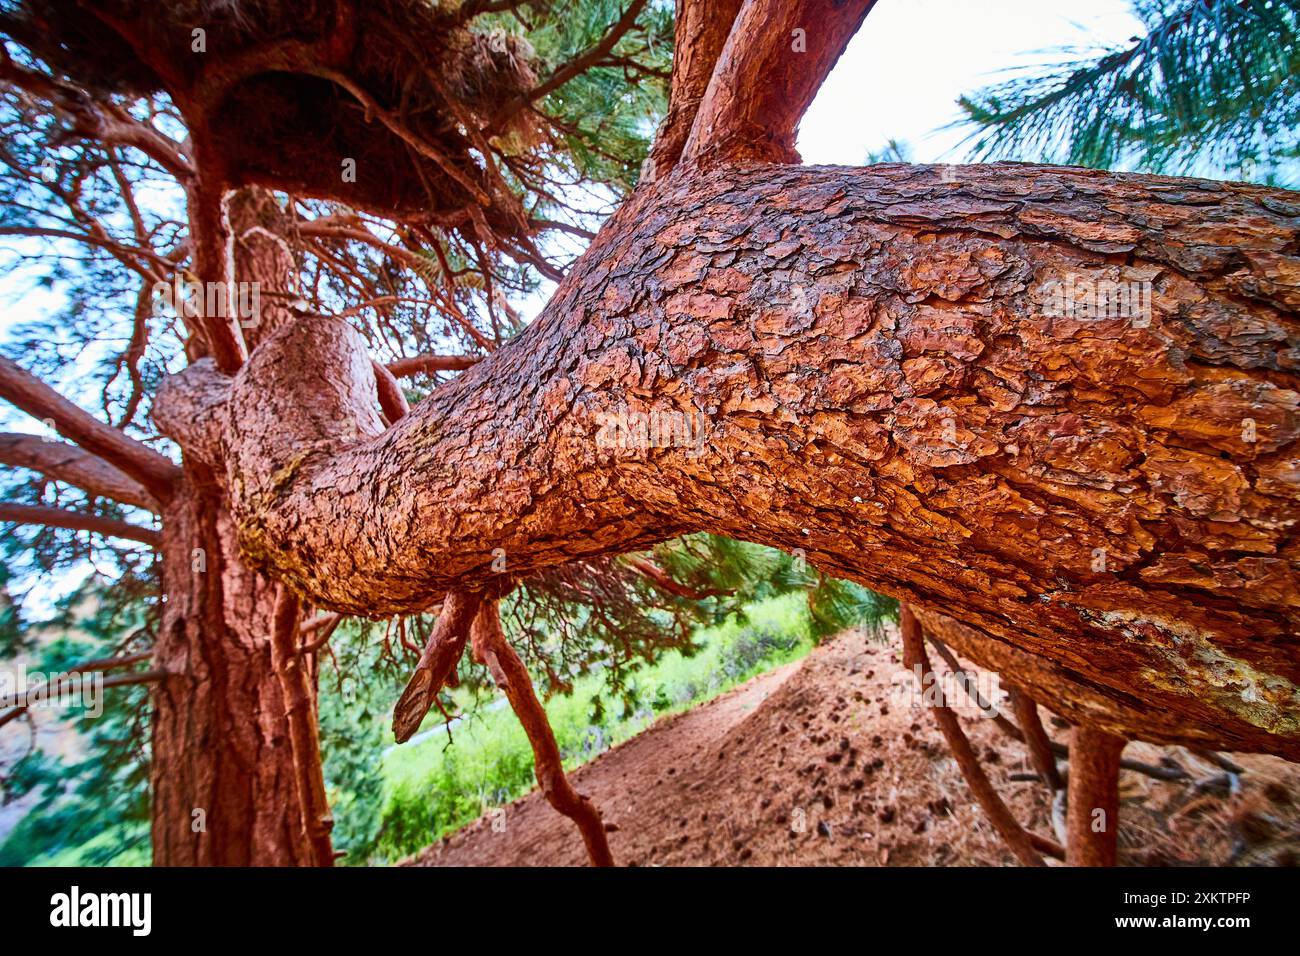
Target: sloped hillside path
(828,762)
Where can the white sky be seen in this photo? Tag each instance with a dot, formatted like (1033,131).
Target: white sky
(902,74)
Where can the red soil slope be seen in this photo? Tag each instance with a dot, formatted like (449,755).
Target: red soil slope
(828,763)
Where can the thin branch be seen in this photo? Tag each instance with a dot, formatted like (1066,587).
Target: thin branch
(428,364)
(511,676)
(24,390)
(77,521)
(666,582)
(69,464)
(299,712)
(1015,837)
(572,69)
(1036,739)
(56,687)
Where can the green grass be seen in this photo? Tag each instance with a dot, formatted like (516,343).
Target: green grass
(102,850)
(431,789)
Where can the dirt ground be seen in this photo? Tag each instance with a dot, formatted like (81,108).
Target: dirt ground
(828,762)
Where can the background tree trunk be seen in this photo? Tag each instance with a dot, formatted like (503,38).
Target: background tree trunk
(226,778)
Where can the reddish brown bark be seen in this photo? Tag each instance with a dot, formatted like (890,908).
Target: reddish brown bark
(1093,815)
(236,732)
(777,56)
(300,715)
(1036,739)
(868,355)
(71,465)
(700,31)
(77,521)
(1016,838)
(235,782)
(493,650)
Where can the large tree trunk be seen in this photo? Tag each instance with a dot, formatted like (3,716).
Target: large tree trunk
(228,775)
(867,356)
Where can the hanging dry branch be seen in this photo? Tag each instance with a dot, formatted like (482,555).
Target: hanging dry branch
(441,654)
(1016,838)
(492,649)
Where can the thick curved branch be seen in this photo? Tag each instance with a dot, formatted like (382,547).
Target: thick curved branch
(77,521)
(71,465)
(777,57)
(24,390)
(863,364)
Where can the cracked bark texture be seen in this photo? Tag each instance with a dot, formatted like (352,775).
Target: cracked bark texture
(881,387)
(223,742)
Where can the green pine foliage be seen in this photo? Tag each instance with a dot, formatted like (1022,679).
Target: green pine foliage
(1212,87)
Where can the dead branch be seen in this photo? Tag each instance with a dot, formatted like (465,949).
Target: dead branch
(1012,833)
(56,687)
(663,580)
(573,68)
(972,690)
(441,654)
(511,676)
